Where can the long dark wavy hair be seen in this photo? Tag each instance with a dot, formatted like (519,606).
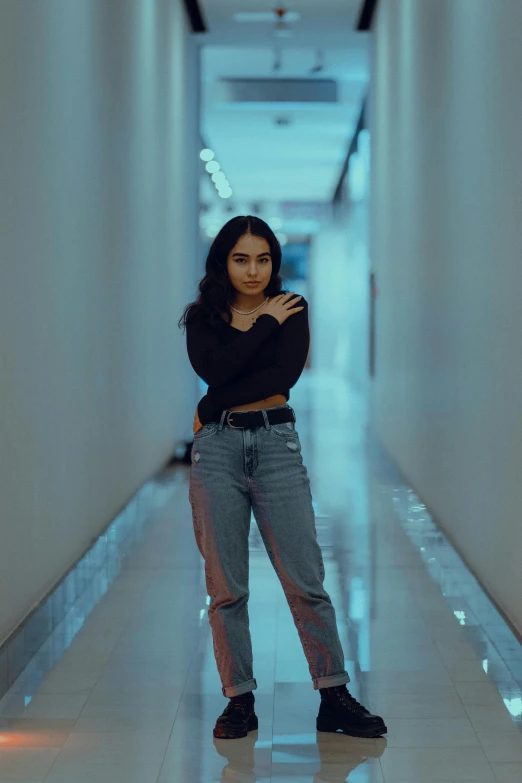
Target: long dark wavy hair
(216,292)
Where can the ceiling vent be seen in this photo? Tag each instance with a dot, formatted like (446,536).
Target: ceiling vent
(266,16)
(276,91)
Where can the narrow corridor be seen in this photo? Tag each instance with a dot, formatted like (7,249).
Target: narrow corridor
(128,692)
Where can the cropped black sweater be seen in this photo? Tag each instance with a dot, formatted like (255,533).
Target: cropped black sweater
(243,367)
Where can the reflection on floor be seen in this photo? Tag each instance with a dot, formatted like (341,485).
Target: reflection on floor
(128,692)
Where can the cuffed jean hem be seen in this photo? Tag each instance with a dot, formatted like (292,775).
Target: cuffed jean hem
(237,690)
(331,681)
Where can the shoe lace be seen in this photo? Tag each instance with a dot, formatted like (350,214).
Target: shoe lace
(352,703)
(235,704)
(349,701)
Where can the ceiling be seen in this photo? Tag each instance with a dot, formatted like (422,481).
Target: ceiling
(331,21)
(301,158)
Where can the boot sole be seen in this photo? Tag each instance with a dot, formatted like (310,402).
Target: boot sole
(370,733)
(232,732)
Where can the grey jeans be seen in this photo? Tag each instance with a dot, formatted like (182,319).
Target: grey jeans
(235,471)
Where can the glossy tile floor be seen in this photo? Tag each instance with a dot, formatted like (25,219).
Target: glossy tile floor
(128,692)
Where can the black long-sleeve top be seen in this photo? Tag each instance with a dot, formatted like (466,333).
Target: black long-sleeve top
(241,367)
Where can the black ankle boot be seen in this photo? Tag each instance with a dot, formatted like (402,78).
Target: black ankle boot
(339,710)
(238,718)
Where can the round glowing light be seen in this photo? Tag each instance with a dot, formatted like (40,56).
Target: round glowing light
(225,193)
(219,176)
(211,232)
(212,167)
(282,238)
(275,223)
(206,154)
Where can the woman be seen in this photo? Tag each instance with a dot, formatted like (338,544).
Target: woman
(249,341)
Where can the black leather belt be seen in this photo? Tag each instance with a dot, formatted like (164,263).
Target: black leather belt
(251,419)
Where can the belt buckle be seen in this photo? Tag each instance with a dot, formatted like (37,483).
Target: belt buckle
(234,427)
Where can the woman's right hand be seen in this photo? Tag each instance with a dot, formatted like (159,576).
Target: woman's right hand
(281,307)
(196,424)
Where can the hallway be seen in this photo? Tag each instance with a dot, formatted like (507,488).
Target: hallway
(128,692)
(379,144)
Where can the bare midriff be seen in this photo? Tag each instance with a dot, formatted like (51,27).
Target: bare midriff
(275,399)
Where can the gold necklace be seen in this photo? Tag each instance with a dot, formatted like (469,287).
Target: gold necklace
(250,311)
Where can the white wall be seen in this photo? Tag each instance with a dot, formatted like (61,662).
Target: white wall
(339,297)
(445,119)
(98,220)
(329,290)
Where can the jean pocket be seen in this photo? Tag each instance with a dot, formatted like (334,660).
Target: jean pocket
(285,430)
(206,430)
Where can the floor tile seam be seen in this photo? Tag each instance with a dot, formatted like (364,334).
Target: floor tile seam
(177,711)
(276,640)
(76,720)
(506,763)
(488,763)
(71,729)
(468,629)
(418,601)
(460,566)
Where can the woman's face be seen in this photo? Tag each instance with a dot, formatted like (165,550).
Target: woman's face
(250,260)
